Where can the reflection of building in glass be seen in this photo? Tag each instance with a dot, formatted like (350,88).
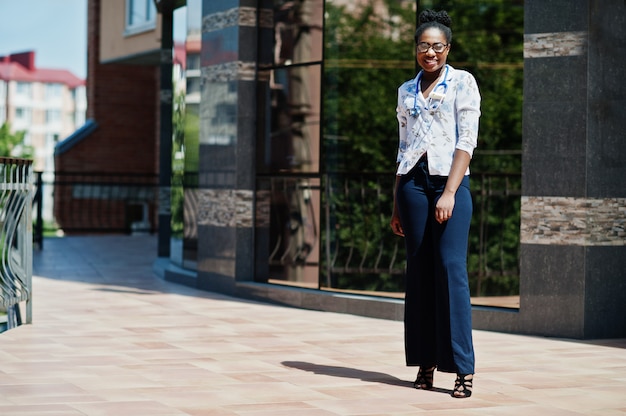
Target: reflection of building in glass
(47,104)
(267,206)
(106,172)
(295,83)
(192,71)
(292,141)
(184,247)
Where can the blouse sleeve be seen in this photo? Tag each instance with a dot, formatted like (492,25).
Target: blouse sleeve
(402,128)
(468,113)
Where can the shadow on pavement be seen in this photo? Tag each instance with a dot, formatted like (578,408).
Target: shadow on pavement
(345,372)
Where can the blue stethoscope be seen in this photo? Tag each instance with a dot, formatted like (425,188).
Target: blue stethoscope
(435,98)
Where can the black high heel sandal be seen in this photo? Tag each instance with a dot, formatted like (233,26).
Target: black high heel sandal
(424,380)
(463,386)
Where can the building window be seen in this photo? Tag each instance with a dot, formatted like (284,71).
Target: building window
(193,61)
(53,116)
(193,85)
(23,89)
(54,90)
(140,16)
(22,115)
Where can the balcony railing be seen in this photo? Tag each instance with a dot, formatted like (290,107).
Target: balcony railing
(104,202)
(327,231)
(16,192)
(358,251)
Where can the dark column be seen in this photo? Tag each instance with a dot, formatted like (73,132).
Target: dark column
(166,8)
(573,240)
(227,169)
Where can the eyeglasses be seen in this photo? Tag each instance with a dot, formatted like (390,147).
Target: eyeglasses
(437,47)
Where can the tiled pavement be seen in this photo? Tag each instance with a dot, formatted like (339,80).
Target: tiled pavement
(111,338)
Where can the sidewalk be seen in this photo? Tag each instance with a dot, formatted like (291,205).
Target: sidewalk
(110,338)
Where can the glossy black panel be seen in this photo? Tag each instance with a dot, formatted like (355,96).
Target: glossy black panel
(297,32)
(290,140)
(541,16)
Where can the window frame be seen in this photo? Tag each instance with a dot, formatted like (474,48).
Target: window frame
(24,89)
(54,116)
(143,25)
(23,116)
(54,90)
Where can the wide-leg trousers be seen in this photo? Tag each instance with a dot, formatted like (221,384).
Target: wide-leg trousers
(438,316)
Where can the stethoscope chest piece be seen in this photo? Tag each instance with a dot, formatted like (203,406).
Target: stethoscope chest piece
(435,98)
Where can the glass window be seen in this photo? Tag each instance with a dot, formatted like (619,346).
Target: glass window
(53,116)
(288,156)
(185,165)
(291,211)
(193,61)
(339,101)
(292,135)
(54,90)
(298,31)
(23,114)
(193,86)
(51,139)
(24,89)
(140,16)
(3,99)
(366,59)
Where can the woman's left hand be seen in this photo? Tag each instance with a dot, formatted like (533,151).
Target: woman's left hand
(444,207)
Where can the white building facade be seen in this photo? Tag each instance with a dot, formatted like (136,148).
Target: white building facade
(47,104)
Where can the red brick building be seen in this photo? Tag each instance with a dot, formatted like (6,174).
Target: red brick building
(106,173)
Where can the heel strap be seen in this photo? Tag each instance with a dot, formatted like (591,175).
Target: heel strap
(425,378)
(463,386)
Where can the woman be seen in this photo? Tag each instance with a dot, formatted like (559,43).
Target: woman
(438,114)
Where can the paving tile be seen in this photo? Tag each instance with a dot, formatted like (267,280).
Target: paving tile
(110,338)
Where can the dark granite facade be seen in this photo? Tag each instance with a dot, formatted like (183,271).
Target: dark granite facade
(554,126)
(606,124)
(552,290)
(227,144)
(557,16)
(573,258)
(573,251)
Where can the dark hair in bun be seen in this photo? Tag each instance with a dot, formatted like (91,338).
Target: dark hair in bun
(432,19)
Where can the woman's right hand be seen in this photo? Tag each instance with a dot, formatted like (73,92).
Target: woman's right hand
(396,225)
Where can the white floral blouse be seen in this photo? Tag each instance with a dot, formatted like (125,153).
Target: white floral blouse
(440,124)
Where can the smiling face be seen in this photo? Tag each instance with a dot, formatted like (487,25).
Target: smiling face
(431,61)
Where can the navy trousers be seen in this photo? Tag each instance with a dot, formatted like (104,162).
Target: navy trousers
(438,316)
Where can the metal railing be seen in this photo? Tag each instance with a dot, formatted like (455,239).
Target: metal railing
(16,192)
(326,231)
(359,252)
(93,203)
(97,202)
